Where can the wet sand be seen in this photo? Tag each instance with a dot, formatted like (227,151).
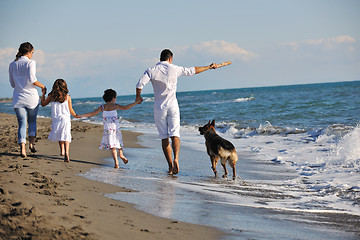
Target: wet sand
(41,197)
(260,204)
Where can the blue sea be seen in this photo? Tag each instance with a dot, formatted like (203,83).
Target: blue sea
(298,169)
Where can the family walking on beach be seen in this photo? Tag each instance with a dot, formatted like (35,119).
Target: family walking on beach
(163,76)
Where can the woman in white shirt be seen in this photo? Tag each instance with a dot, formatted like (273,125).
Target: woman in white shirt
(22,78)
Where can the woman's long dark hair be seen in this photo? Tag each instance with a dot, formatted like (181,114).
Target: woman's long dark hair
(23,50)
(59,91)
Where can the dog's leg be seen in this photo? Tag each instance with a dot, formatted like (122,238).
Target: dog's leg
(234,172)
(225,171)
(233,159)
(232,164)
(214,161)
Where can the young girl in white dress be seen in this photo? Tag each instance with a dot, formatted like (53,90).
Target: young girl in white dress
(112,138)
(61,108)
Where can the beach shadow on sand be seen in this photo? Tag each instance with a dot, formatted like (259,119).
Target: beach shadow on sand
(51,158)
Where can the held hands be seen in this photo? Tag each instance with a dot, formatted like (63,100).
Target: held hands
(213,66)
(139,100)
(43,90)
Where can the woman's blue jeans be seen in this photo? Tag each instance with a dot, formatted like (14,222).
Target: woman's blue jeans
(26,115)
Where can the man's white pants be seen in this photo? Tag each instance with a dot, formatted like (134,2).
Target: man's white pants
(168,122)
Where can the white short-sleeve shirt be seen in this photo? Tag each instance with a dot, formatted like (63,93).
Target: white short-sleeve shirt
(22,75)
(164,80)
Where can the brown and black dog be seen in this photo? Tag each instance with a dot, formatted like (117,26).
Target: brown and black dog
(218,147)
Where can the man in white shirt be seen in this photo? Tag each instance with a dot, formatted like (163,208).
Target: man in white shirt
(166,109)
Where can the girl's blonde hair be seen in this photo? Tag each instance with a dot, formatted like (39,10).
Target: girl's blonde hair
(59,91)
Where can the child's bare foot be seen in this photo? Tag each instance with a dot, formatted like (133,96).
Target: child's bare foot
(176,166)
(116,163)
(124,159)
(121,154)
(67,158)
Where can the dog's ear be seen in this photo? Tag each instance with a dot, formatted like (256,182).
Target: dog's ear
(208,122)
(213,123)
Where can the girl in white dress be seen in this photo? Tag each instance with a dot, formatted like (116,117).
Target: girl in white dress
(112,138)
(61,108)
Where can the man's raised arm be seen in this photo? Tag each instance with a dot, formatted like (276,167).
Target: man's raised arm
(202,69)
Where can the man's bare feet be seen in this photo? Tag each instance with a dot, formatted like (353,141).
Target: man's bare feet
(176,166)
(171,168)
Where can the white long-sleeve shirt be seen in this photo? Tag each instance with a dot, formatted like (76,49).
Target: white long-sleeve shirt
(22,75)
(164,81)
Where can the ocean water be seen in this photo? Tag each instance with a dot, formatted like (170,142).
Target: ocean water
(298,169)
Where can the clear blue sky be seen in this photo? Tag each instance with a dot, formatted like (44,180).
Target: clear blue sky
(95,45)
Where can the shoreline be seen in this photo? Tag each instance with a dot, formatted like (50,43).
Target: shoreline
(5,100)
(42,197)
